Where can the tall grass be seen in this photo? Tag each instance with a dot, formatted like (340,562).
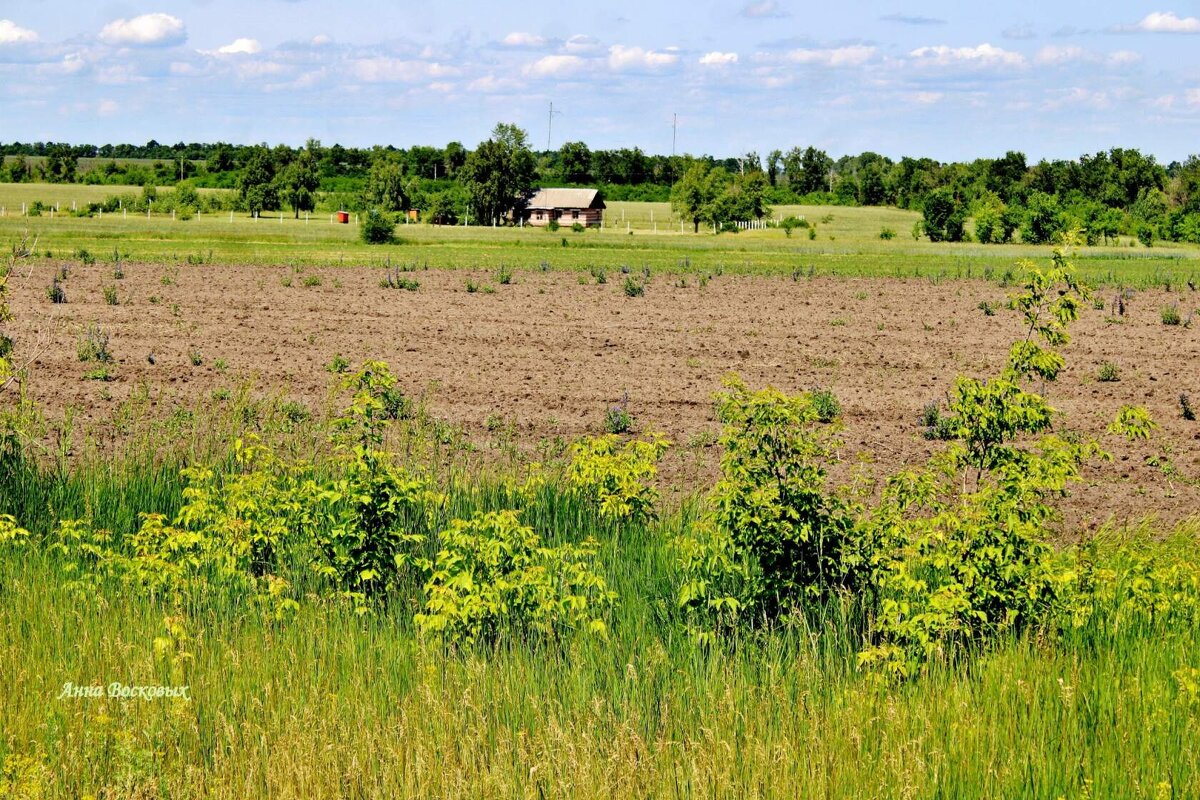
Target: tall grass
(333,704)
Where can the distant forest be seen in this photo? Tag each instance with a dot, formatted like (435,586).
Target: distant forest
(1119,191)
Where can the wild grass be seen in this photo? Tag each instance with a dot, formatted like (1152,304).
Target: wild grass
(332,704)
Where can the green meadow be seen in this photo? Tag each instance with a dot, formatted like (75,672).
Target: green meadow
(839,241)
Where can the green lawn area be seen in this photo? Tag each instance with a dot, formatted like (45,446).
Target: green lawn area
(846,242)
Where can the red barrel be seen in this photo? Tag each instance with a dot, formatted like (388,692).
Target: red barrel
(343,217)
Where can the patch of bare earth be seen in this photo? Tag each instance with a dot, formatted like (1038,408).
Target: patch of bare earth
(553,354)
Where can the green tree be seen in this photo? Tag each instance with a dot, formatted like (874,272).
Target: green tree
(575,162)
(257,182)
(299,181)
(387,186)
(1044,219)
(695,192)
(499,174)
(944,217)
(61,164)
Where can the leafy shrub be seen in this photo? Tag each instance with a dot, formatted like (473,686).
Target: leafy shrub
(615,478)
(826,405)
(378,227)
(493,578)
(553,227)
(634,288)
(338,365)
(577,227)
(887,234)
(774,539)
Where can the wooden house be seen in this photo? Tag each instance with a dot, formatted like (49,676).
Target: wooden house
(564,206)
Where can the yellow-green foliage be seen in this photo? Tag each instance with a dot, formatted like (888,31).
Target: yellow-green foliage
(615,478)
(494,577)
(10,532)
(1133,422)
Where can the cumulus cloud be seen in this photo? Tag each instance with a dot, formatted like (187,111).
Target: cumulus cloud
(984,55)
(556,66)
(621,58)
(1163,22)
(12,33)
(718,59)
(240,47)
(852,56)
(522,39)
(148,30)
(766,9)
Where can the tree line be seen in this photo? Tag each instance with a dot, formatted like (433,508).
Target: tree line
(1105,194)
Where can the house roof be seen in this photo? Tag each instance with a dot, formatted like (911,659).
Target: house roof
(566,198)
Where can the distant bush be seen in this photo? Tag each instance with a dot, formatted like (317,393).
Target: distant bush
(378,227)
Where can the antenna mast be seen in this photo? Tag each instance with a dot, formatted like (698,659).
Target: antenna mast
(550,125)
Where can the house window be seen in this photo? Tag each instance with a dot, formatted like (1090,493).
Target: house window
(539,215)
(575,214)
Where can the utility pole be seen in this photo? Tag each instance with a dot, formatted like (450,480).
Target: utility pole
(674,127)
(550,126)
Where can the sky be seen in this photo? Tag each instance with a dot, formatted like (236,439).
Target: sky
(949,80)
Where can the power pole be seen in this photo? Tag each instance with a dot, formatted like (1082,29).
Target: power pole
(550,125)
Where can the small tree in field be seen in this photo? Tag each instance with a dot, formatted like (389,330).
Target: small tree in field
(378,227)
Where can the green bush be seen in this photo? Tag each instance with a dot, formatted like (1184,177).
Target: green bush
(378,227)
(494,578)
(615,478)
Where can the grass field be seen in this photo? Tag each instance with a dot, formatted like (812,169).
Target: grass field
(847,243)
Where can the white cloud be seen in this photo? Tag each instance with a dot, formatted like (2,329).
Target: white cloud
(1164,22)
(718,59)
(240,47)
(1193,97)
(12,33)
(1054,54)
(763,10)
(927,98)
(394,70)
(490,84)
(581,44)
(522,39)
(146,30)
(107,108)
(985,55)
(557,66)
(321,39)
(621,57)
(853,56)
(1122,58)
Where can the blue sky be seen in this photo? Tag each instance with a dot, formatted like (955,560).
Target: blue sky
(946,79)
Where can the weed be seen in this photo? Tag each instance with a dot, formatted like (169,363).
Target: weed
(1170,315)
(195,357)
(110,295)
(472,286)
(311,280)
(55,292)
(1108,373)
(101,372)
(1185,408)
(825,404)
(220,365)
(988,309)
(93,345)
(338,365)
(887,234)
(634,288)
(504,275)
(617,418)
(393,279)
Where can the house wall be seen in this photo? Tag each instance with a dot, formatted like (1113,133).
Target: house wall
(565,216)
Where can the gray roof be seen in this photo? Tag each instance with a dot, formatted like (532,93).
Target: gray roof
(566,198)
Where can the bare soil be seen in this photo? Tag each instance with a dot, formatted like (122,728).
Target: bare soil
(552,354)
